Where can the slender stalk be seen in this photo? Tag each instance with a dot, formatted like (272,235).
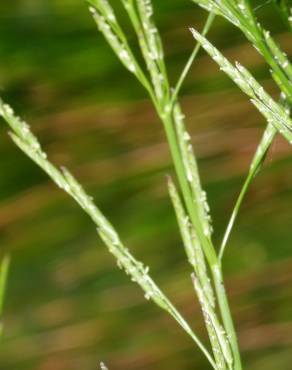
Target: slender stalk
(226,313)
(191,59)
(208,248)
(256,164)
(259,156)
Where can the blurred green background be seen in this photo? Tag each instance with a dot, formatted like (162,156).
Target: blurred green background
(68,306)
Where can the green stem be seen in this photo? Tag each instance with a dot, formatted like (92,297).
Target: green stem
(207,245)
(263,147)
(190,61)
(226,313)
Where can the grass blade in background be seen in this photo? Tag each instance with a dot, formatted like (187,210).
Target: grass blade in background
(4,267)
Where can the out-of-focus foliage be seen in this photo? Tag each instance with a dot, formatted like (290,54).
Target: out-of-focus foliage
(67,304)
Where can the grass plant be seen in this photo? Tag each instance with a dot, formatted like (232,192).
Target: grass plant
(187,195)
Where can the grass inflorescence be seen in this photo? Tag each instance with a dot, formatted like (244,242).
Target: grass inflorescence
(187,194)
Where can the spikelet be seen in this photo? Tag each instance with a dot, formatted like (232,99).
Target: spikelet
(279,56)
(108,25)
(192,172)
(242,16)
(273,111)
(151,47)
(218,337)
(151,32)
(191,243)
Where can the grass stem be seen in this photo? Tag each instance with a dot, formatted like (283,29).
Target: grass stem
(257,161)
(190,61)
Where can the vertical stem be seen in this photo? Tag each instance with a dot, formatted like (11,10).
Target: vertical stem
(209,250)
(191,59)
(186,192)
(226,313)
